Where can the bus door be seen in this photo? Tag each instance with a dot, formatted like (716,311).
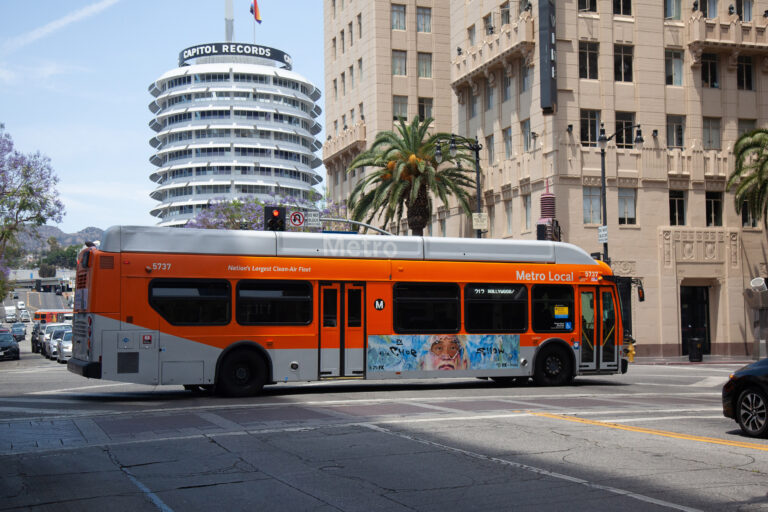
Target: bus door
(599,348)
(342,339)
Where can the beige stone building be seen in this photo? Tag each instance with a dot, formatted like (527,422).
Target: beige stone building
(692,79)
(382,60)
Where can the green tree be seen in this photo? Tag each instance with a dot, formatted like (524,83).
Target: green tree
(403,173)
(749,179)
(47,270)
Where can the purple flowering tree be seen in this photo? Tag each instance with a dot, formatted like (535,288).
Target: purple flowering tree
(248,213)
(28,195)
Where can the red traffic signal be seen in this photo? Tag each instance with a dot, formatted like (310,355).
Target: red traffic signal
(274,218)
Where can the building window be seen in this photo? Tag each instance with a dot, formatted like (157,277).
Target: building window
(672,9)
(746,126)
(423,19)
(587,5)
(341,40)
(526,77)
(588,59)
(504,14)
(506,91)
(351,77)
(744,9)
(673,67)
(398,62)
(592,205)
(508,211)
(471,35)
(589,127)
(526,212)
(335,90)
(343,84)
(675,131)
(711,133)
(399,108)
(359,26)
(425,108)
(745,73)
(472,105)
(488,96)
(488,24)
(489,148)
(747,219)
(507,135)
(677,208)
(360,69)
(425,65)
(714,208)
(709,70)
(622,62)
(709,8)
(627,210)
(333,43)
(624,123)
(525,131)
(398,17)
(623,7)
(443,227)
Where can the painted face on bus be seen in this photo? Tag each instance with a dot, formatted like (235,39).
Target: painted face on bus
(445,353)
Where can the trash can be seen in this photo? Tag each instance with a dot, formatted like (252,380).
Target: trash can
(695,349)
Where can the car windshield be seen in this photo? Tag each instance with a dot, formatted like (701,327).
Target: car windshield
(18,324)
(5,337)
(67,336)
(58,333)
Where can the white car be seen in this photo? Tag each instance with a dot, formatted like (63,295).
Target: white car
(64,347)
(45,346)
(24,316)
(53,342)
(20,305)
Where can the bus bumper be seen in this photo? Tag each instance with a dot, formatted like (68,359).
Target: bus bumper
(86,369)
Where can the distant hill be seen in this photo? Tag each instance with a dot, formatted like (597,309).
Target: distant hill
(32,239)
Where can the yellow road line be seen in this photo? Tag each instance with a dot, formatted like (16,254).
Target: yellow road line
(663,433)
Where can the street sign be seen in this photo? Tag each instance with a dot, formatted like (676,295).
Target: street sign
(312,219)
(296,219)
(602,234)
(479,221)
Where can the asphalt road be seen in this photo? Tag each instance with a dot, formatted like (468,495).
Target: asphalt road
(653,439)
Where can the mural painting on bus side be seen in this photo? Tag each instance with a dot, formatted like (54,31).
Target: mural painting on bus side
(397,353)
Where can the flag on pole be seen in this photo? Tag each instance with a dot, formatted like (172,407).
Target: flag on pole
(255,11)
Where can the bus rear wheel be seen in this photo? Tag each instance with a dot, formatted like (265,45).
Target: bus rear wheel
(553,367)
(242,373)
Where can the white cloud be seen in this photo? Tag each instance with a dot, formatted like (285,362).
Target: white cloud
(44,31)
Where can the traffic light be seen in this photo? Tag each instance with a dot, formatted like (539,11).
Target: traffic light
(274,218)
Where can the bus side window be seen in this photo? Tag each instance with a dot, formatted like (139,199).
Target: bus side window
(552,308)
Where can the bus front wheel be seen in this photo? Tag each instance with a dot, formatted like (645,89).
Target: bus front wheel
(553,367)
(242,373)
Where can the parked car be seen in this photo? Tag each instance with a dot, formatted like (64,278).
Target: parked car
(45,339)
(24,316)
(745,398)
(64,351)
(35,336)
(19,331)
(9,349)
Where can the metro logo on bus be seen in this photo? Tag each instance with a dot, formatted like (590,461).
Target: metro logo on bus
(522,275)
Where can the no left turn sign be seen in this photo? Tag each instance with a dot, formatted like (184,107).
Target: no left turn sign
(297,219)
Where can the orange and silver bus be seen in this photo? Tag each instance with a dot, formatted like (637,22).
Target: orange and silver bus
(52,315)
(235,310)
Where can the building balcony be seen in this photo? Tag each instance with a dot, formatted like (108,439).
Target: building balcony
(497,50)
(351,139)
(715,34)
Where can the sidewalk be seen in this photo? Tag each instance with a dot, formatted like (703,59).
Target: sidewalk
(707,359)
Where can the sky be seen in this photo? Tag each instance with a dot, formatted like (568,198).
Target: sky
(74,78)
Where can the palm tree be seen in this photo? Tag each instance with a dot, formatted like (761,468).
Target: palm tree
(750,175)
(404,172)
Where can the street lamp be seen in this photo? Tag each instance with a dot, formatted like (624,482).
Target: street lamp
(475,146)
(602,142)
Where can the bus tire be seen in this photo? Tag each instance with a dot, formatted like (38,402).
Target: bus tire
(242,373)
(553,367)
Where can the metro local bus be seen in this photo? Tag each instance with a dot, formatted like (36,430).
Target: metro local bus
(53,315)
(235,310)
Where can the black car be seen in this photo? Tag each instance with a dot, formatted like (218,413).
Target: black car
(9,349)
(35,339)
(745,398)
